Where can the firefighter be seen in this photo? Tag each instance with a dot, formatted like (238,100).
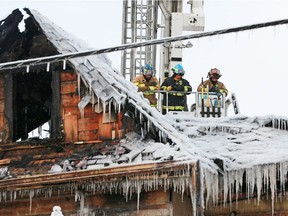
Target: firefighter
(213,84)
(178,86)
(147,83)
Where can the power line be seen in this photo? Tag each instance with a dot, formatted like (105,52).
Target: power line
(67,56)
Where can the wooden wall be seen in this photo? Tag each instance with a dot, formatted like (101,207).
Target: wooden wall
(251,208)
(151,203)
(91,126)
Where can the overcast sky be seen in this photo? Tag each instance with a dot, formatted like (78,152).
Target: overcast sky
(253,63)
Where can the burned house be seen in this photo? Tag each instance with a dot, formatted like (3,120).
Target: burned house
(110,153)
(89,108)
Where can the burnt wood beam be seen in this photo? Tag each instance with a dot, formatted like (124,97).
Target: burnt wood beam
(55,130)
(9,114)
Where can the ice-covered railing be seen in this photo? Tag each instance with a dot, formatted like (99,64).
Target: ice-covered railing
(273,121)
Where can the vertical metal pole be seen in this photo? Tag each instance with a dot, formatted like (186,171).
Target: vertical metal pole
(124,37)
(155,30)
(165,32)
(133,39)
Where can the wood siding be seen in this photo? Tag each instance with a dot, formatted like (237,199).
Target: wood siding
(89,127)
(151,203)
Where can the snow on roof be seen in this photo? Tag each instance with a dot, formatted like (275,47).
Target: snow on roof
(233,139)
(109,86)
(239,141)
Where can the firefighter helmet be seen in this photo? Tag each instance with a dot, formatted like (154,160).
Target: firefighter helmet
(147,70)
(178,69)
(214,73)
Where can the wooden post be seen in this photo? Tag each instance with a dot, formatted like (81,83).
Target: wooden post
(55,111)
(9,108)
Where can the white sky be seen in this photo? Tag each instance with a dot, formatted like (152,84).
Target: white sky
(253,63)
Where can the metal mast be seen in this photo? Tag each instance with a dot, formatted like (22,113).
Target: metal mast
(139,25)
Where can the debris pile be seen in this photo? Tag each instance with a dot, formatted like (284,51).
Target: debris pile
(132,149)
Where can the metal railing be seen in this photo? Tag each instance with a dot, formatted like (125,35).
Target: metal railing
(204,104)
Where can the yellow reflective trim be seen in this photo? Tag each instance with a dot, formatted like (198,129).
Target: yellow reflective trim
(223,91)
(176,94)
(173,107)
(141,85)
(148,93)
(152,88)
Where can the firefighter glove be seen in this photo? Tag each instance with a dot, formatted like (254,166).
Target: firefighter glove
(169,88)
(143,88)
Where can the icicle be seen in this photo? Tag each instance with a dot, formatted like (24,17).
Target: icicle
(148,125)
(273,185)
(50,192)
(15,195)
(109,110)
(119,108)
(138,196)
(85,61)
(31,195)
(48,67)
(77,196)
(225,184)
(78,85)
(127,186)
(142,132)
(27,68)
(93,101)
(258,183)
(266,179)
(141,117)
(104,107)
(90,87)
(64,64)
(82,202)
(115,105)
(81,112)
